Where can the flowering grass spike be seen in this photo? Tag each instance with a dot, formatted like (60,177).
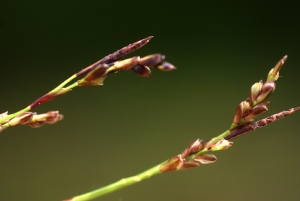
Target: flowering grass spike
(196,153)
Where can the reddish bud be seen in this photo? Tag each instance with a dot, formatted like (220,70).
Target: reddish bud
(21,119)
(40,119)
(254,92)
(257,110)
(221,145)
(189,164)
(172,164)
(274,72)
(165,66)
(242,110)
(95,77)
(206,158)
(266,91)
(143,71)
(193,148)
(127,63)
(52,117)
(151,60)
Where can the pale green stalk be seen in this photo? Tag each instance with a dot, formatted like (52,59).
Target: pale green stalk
(28,108)
(118,185)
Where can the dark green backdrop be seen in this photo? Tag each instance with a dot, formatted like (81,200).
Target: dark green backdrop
(131,123)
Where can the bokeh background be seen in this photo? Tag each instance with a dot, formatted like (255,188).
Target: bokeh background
(131,123)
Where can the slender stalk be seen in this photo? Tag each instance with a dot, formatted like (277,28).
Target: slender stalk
(3,119)
(196,153)
(37,102)
(157,169)
(118,185)
(65,82)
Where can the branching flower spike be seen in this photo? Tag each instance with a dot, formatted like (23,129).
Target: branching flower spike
(197,153)
(95,75)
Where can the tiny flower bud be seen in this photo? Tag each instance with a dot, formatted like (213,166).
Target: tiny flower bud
(143,71)
(189,164)
(53,117)
(151,60)
(21,119)
(206,158)
(242,110)
(95,77)
(35,124)
(254,92)
(221,145)
(127,63)
(257,110)
(274,72)
(25,117)
(40,119)
(172,164)
(193,148)
(266,91)
(165,66)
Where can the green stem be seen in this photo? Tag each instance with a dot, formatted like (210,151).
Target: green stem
(14,114)
(65,82)
(71,86)
(223,135)
(134,179)
(28,108)
(118,185)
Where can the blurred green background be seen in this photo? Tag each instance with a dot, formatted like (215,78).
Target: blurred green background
(131,123)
